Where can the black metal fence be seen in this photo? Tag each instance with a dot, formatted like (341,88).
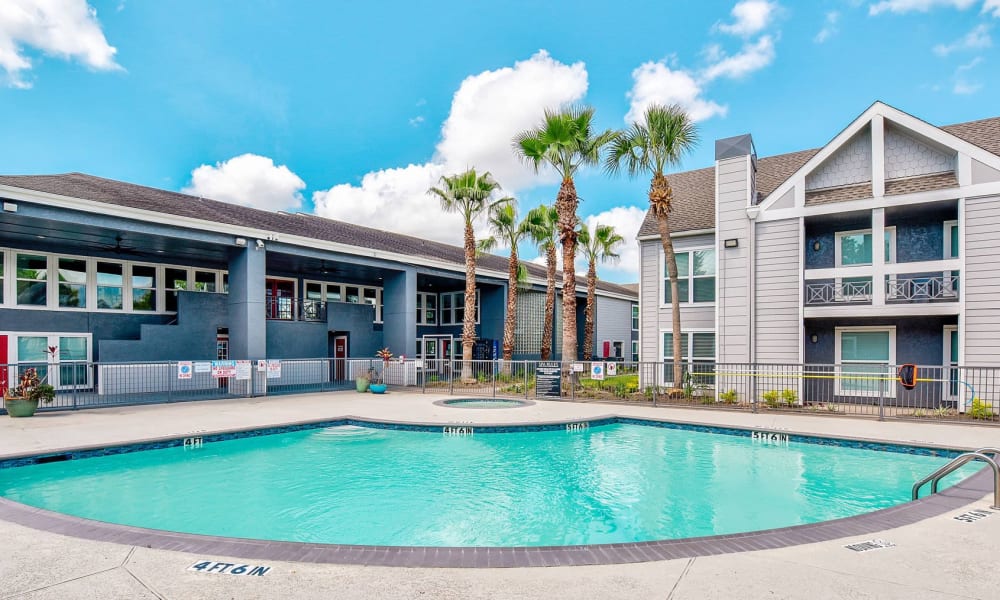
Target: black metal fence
(952,393)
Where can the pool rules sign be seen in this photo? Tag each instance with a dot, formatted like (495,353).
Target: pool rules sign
(548,380)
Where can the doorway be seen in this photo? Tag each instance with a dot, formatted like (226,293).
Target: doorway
(434,352)
(280,300)
(339,357)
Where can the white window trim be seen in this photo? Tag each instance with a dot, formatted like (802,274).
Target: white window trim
(635,317)
(865,269)
(451,310)
(947,239)
(52,282)
(890,387)
(690,344)
(422,309)
(948,365)
(634,356)
(51,361)
(663,277)
(343,293)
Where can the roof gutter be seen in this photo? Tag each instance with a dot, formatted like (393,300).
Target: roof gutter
(678,234)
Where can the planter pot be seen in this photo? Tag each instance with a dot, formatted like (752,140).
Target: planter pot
(20,407)
(377,388)
(362,384)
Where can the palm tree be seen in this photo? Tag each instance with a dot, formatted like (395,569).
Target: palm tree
(542,222)
(664,136)
(565,141)
(506,231)
(599,247)
(467,194)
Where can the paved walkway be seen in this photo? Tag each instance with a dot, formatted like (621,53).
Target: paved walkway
(937,558)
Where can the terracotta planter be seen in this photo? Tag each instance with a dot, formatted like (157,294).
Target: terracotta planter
(361,384)
(20,407)
(377,388)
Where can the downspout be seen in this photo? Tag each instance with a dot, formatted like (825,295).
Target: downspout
(752,213)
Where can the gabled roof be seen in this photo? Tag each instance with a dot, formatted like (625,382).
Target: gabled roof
(119,193)
(694,191)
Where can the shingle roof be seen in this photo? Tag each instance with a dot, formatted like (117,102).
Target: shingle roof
(119,193)
(839,194)
(922,183)
(694,191)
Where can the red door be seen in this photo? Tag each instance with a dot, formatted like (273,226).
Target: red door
(3,364)
(339,355)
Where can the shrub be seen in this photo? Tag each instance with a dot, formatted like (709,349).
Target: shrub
(981,410)
(771,398)
(790,396)
(729,397)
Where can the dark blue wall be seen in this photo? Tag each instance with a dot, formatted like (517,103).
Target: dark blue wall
(192,337)
(364,339)
(102,325)
(918,340)
(917,239)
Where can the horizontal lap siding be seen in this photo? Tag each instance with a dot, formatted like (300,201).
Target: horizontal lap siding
(980,284)
(778,281)
(732,283)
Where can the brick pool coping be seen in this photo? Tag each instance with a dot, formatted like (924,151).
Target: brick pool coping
(971,489)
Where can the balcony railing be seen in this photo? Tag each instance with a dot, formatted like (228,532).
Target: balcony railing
(295,309)
(899,289)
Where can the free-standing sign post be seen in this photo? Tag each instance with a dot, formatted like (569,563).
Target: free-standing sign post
(548,380)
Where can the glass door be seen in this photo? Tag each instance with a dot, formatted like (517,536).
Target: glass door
(62,361)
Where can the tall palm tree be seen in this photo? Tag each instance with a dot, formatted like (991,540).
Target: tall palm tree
(661,139)
(565,140)
(467,194)
(597,247)
(506,231)
(542,224)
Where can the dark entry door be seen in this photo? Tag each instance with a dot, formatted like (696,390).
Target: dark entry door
(340,357)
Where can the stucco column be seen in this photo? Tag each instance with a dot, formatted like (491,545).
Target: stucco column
(399,312)
(247,325)
(492,312)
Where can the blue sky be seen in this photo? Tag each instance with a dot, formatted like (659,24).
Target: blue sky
(353,109)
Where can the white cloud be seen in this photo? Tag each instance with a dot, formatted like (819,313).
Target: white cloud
(66,29)
(752,57)
(964,87)
(417,121)
(626,220)
(656,83)
(248,180)
(749,17)
(992,7)
(906,6)
(976,39)
(487,111)
(830,27)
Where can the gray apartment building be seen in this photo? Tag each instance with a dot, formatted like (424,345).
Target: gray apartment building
(879,248)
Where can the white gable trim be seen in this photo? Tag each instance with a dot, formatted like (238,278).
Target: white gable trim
(883,112)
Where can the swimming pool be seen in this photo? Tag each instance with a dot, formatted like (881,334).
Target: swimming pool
(484,403)
(360,483)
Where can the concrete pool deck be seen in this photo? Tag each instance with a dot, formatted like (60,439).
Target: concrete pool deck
(939,557)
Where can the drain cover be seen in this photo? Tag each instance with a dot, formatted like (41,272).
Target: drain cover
(869,545)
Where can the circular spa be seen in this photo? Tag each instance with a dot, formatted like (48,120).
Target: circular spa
(351,482)
(484,403)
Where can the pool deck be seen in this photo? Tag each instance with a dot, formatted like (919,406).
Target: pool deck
(938,557)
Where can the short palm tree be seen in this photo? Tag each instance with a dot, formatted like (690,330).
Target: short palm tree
(506,231)
(542,223)
(469,194)
(597,247)
(661,139)
(565,140)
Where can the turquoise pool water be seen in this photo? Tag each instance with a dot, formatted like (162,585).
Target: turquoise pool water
(484,403)
(358,485)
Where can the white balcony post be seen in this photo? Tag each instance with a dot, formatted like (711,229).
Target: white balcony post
(878,256)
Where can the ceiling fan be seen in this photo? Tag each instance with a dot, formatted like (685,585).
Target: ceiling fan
(119,249)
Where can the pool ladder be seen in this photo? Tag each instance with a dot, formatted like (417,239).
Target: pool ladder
(983,455)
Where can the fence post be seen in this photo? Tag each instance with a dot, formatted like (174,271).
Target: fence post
(451,374)
(495,363)
(881,395)
(170,382)
(572,382)
(525,380)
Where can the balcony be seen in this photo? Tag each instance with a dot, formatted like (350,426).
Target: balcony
(925,288)
(295,309)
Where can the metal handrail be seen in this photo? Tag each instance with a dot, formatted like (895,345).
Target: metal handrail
(958,462)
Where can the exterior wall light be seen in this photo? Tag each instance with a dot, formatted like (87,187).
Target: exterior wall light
(814,338)
(731,243)
(241,242)
(816,246)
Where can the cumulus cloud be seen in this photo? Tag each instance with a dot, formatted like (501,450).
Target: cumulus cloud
(830,27)
(992,7)
(626,220)
(67,29)
(976,39)
(906,6)
(752,57)
(962,86)
(248,180)
(487,111)
(656,83)
(749,17)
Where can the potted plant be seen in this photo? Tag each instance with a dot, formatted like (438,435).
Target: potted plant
(361,381)
(22,401)
(378,387)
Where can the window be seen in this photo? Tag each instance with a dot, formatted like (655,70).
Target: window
(951,250)
(204,281)
(333,293)
(109,285)
(635,351)
(175,280)
(143,288)
(453,308)
(32,284)
(2,259)
(352,294)
(695,276)
(426,309)
(72,283)
(66,368)
(855,247)
(696,346)
(863,357)
(635,317)
(617,349)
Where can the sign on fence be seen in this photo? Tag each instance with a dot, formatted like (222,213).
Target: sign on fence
(274,369)
(223,368)
(548,380)
(185,369)
(202,367)
(243,369)
(597,371)
(611,369)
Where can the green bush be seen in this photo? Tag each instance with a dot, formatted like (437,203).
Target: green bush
(771,398)
(790,396)
(981,410)
(729,397)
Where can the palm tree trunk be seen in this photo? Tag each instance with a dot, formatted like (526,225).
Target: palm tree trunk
(566,203)
(469,322)
(510,322)
(588,327)
(660,199)
(550,301)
